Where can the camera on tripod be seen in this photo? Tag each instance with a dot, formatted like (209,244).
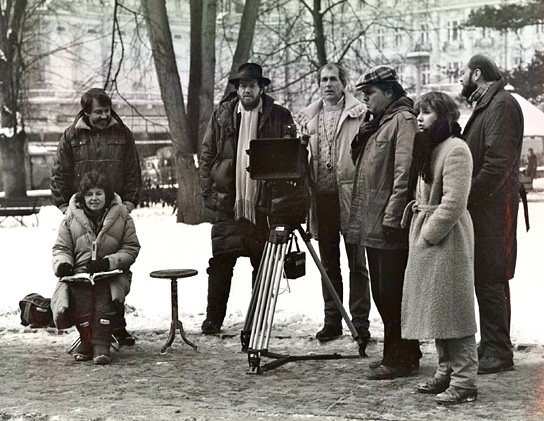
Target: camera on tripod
(282,164)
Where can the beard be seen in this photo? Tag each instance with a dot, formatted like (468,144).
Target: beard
(469,89)
(250,103)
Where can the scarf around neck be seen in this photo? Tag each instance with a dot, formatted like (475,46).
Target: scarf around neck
(478,93)
(424,143)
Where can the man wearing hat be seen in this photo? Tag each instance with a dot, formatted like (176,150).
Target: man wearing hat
(494,133)
(382,152)
(331,122)
(229,193)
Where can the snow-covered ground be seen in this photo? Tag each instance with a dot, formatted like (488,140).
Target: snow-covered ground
(25,267)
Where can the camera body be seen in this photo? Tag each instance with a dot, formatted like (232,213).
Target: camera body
(282,165)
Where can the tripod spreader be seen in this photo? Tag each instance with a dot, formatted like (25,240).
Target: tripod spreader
(255,335)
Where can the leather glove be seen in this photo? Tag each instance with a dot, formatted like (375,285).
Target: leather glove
(101,265)
(393,235)
(65,269)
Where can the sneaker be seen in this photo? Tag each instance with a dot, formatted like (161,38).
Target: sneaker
(83,352)
(329,333)
(434,386)
(123,337)
(101,354)
(384,372)
(488,365)
(454,395)
(210,328)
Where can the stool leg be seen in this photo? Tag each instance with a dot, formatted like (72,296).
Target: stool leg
(174,322)
(182,332)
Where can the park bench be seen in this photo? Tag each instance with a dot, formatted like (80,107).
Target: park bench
(19,207)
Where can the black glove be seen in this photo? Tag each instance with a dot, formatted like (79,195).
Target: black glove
(101,265)
(393,235)
(65,269)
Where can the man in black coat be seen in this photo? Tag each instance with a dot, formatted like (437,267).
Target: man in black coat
(494,134)
(230,195)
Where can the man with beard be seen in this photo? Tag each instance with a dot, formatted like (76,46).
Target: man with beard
(494,134)
(98,140)
(230,195)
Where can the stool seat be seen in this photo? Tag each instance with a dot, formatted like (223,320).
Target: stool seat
(173,273)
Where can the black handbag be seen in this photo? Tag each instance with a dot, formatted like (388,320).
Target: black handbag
(294,265)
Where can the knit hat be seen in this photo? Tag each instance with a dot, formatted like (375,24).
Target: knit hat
(381,73)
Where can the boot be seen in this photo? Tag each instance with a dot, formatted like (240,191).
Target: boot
(101,354)
(84,351)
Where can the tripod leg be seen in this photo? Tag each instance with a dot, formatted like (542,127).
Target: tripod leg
(332,291)
(246,331)
(273,298)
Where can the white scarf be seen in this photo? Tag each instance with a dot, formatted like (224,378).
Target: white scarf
(246,188)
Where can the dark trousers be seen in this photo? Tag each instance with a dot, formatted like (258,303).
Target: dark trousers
(494,307)
(221,268)
(387,278)
(93,311)
(328,217)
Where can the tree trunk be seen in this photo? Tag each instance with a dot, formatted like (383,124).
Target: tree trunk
(12,160)
(208,66)
(245,37)
(190,209)
(12,137)
(195,74)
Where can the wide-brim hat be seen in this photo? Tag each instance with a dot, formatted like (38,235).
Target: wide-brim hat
(249,71)
(381,73)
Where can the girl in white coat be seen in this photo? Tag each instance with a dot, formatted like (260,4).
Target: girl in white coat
(438,292)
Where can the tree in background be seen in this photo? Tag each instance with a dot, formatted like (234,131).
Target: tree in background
(529,80)
(12,135)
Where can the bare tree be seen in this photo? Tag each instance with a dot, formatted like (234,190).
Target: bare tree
(12,135)
(189,202)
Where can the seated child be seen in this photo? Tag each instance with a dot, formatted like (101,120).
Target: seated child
(97,234)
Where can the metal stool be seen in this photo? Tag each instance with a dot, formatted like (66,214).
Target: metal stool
(174,274)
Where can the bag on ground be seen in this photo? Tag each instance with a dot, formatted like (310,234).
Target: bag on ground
(36,311)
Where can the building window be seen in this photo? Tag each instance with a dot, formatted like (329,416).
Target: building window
(453,71)
(398,38)
(424,35)
(454,33)
(380,39)
(425,74)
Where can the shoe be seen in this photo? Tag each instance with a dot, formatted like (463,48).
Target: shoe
(101,354)
(210,328)
(454,395)
(373,365)
(488,365)
(83,352)
(329,333)
(384,372)
(123,337)
(434,386)
(376,363)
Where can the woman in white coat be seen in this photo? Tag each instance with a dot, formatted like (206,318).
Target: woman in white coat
(438,292)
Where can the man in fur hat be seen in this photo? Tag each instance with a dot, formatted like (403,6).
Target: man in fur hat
(229,194)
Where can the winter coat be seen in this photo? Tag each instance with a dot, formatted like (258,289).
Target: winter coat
(494,134)
(218,164)
(111,151)
(116,241)
(348,126)
(438,292)
(380,190)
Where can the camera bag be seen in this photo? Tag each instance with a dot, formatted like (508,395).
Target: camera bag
(36,311)
(294,265)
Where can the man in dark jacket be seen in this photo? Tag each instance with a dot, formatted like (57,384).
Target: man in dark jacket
(98,140)
(230,196)
(494,134)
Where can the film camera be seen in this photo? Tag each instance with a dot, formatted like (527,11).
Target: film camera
(282,164)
